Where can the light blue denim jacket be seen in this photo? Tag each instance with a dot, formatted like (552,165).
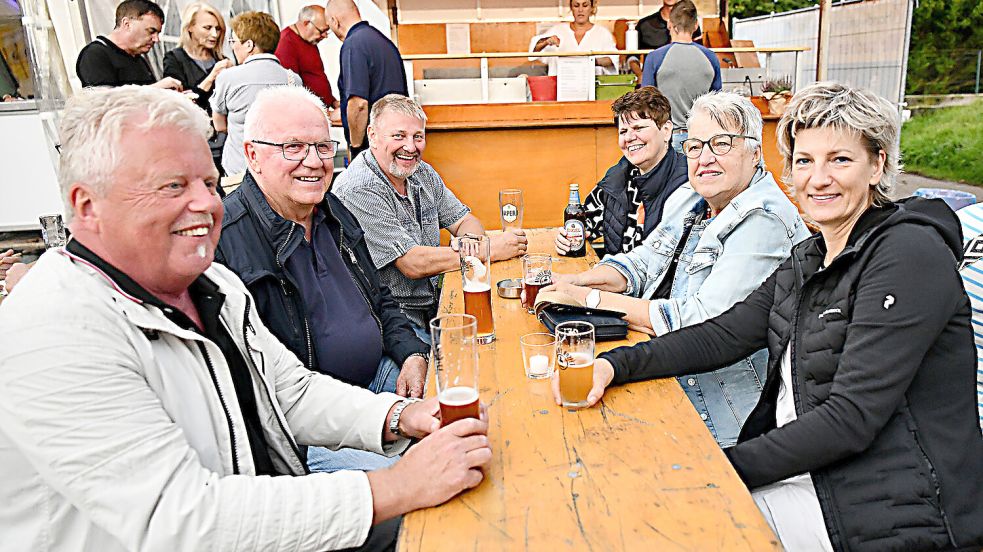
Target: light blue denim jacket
(725,258)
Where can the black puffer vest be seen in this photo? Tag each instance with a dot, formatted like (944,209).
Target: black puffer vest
(654,187)
(917,485)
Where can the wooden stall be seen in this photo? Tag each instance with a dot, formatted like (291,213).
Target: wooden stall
(540,147)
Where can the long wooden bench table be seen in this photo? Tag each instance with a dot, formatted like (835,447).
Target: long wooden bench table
(639,471)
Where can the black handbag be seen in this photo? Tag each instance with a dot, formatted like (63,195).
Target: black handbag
(608,325)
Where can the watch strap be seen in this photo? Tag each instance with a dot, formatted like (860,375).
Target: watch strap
(397,412)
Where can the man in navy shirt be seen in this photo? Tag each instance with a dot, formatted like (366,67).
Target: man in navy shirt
(371,68)
(304,258)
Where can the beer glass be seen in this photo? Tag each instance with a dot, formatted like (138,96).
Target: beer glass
(52,231)
(575,362)
(510,208)
(455,355)
(475,252)
(537,272)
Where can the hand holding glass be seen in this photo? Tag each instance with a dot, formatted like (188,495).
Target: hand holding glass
(575,362)
(455,354)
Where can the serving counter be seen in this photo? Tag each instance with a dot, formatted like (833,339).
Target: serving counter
(539,147)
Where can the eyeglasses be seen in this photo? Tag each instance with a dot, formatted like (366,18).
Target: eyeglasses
(320,31)
(720,144)
(297,151)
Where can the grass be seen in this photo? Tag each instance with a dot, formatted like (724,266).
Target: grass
(946,144)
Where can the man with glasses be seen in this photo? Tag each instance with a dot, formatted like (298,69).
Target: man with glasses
(305,260)
(297,51)
(117,59)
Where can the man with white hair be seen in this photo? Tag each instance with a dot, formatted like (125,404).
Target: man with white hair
(402,203)
(144,402)
(304,258)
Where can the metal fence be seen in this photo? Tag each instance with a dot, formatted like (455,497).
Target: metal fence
(868,43)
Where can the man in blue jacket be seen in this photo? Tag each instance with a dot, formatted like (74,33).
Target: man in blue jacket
(302,255)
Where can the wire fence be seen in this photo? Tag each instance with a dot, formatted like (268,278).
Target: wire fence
(868,42)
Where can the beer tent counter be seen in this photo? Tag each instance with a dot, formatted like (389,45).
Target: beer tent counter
(640,471)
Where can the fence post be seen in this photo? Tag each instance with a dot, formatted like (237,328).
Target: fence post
(979,58)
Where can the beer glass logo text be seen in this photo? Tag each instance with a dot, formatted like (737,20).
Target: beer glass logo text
(510,212)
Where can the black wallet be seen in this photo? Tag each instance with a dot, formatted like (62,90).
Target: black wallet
(607,324)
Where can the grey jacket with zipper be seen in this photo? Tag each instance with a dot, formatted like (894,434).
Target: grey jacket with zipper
(121,430)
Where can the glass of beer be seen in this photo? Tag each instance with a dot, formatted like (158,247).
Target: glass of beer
(510,208)
(52,231)
(475,252)
(575,362)
(537,272)
(455,354)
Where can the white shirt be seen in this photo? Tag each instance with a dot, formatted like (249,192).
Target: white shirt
(790,506)
(597,38)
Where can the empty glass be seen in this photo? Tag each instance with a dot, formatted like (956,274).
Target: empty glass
(510,208)
(52,231)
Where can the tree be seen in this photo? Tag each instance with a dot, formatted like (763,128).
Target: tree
(945,38)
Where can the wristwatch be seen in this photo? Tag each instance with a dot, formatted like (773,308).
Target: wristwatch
(593,298)
(394,419)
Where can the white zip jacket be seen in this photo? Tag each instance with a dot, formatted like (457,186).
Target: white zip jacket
(121,431)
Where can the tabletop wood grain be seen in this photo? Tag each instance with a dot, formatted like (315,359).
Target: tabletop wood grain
(639,471)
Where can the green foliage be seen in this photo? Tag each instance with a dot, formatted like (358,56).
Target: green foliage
(945,36)
(742,9)
(946,143)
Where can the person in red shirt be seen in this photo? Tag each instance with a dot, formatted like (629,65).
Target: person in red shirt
(297,51)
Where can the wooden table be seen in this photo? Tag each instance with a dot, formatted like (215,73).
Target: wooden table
(639,471)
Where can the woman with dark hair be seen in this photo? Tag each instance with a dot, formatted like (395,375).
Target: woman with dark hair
(578,35)
(626,205)
(866,434)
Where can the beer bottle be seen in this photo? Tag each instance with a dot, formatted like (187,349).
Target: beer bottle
(575,224)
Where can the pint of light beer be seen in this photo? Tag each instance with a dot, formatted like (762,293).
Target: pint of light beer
(455,353)
(475,252)
(575,362)
(537,273)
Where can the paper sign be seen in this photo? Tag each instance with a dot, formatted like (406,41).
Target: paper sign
(458,38)
(574,79)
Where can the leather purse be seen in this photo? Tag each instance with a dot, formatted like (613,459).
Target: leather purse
(608,325)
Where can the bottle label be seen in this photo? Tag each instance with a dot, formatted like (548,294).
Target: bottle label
(575,233)
(510,212)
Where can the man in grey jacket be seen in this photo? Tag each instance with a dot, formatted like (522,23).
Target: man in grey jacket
(146,405)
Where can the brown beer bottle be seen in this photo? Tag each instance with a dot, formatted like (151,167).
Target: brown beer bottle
(575,224)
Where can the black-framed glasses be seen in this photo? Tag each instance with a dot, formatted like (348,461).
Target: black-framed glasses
(297,151)
(720,144)
(322,32)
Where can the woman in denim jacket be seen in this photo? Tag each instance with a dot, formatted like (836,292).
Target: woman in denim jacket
(721,235)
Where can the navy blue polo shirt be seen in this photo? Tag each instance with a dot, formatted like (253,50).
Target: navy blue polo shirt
(371,67)
(346,337)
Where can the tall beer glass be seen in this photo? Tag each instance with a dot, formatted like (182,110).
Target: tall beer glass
(537,272)
(475,252)
(575,362)
(455,354)
(510,208)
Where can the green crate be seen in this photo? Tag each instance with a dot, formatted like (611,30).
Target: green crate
(609,87)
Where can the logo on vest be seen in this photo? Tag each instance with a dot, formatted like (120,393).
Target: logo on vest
(888,301)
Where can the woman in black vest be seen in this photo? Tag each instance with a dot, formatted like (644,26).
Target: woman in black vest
(199,59)
(627,203)
(866,434)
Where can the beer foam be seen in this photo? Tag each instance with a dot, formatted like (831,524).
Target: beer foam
(476,287)
(458,396)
